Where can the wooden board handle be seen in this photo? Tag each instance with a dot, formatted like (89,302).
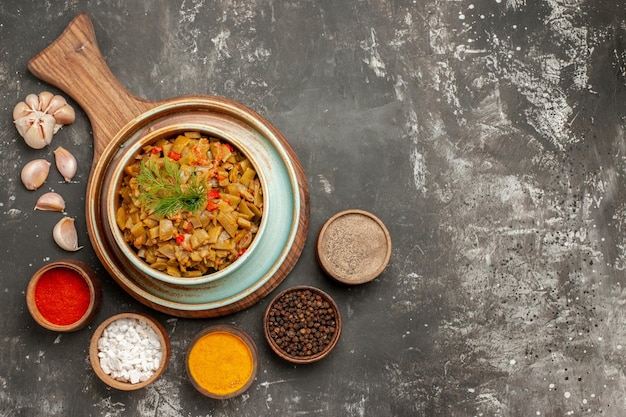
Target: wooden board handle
(74,64)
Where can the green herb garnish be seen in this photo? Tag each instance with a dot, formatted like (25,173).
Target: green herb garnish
(162,189)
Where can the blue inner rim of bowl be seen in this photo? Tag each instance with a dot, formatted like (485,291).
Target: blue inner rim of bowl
(281,214)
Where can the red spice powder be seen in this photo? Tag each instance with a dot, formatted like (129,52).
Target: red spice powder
(62,296)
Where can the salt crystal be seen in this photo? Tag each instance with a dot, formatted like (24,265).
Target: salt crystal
(134,376)
(104,364)
(115,363)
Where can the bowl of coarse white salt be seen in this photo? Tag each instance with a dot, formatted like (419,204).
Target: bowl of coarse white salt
(129,351)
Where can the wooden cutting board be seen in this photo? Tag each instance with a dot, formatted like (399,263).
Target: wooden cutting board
(74,64)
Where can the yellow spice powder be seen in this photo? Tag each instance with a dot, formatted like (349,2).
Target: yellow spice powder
(220,362)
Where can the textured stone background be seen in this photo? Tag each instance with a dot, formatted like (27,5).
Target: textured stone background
(487,134)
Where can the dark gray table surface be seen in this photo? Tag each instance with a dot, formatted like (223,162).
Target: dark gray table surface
(488,135)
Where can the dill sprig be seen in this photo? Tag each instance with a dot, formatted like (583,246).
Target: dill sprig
(162,190)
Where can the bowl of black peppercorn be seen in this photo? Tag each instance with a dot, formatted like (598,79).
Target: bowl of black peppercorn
(302,324)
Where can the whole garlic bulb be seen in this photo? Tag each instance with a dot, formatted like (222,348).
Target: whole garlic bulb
(39,117)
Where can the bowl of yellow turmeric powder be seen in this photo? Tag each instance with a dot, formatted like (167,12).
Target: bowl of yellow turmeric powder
(222,361)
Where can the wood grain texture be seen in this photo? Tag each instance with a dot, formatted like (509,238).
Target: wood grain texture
(74,64)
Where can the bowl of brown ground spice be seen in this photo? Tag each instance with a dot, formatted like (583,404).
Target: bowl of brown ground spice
(353,247)
(302,324)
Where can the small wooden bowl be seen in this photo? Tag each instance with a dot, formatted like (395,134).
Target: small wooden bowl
(353,247)
(122,385)
(297,330)
(239,338)
(95,295)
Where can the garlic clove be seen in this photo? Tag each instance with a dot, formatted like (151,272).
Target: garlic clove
(20,110)
(64,115)
(65,235)
(35,173)
(65,162)
(45,98)
(33,101)
(50,202)
(55,103)
(23,124)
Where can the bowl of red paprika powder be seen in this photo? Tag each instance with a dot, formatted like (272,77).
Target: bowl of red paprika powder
(64,296)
